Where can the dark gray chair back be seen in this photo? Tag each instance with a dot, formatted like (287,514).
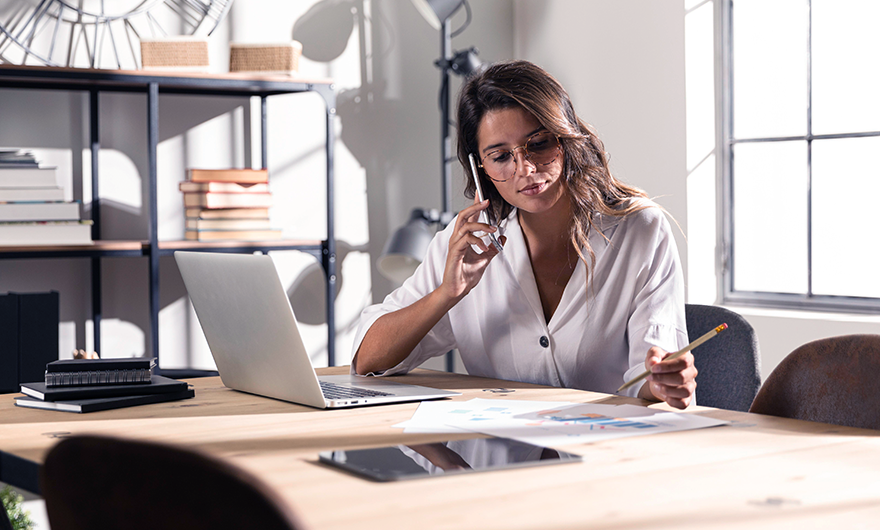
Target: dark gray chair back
(5,523)
(729,365)
(101,483)
(834,380)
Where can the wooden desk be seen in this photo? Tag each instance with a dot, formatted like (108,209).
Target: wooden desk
(757,472)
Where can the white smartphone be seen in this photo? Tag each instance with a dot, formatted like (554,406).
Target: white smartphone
(484,218)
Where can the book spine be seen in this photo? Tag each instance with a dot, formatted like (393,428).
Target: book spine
(38,317)
(46,233)
(241,176)
(9,343)
(98,377)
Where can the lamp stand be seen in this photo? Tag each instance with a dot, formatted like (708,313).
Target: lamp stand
(445,140)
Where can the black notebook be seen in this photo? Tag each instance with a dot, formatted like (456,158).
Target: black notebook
(79,365)
(94,405)
(158,385)
(74,372)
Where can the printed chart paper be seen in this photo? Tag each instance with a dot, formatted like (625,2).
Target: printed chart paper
(445,416)
(550,423)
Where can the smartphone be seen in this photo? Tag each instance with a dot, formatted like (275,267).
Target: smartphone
(484,218)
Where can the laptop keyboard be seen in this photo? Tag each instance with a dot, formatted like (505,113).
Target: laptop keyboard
(334,391)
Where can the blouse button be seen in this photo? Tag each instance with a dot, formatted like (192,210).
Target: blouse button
(545,342)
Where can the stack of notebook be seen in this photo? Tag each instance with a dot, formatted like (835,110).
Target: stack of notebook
(89,385)
(32,206)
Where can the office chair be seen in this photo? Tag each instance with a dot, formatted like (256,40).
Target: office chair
(728,366)
(101,483)
(5,523)
(833,380)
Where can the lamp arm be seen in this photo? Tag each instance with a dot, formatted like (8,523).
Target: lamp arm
(467,22)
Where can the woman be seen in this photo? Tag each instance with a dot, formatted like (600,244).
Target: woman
(587,291)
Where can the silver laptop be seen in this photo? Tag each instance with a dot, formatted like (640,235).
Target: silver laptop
(255,341)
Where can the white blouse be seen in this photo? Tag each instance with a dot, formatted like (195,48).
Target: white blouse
(596,339)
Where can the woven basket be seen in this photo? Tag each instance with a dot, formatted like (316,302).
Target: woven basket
(175,52)
(265,58)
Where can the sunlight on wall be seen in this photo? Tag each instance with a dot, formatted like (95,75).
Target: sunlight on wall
(702,280)
(120,181)
(118,338)
(181,341)
(66,339)
(62,161)
(700,108)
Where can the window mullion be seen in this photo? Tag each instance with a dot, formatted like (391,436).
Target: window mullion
(809,148)
(726,277)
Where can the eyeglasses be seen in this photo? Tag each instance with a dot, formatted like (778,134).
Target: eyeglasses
(540,149)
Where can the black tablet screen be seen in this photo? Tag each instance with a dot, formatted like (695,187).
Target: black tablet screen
(458,456)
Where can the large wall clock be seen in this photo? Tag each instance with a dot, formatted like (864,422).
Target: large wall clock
(98,33)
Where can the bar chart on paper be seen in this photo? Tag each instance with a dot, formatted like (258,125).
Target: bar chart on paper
(593,420)
(550,423)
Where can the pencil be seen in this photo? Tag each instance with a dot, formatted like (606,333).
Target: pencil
(676,355)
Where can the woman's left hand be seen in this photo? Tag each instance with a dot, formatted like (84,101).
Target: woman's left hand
(672,381)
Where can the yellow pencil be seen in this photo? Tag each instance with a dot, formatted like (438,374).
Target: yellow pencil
(676,355)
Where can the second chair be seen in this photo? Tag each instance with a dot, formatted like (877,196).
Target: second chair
(729,367)
(834,380)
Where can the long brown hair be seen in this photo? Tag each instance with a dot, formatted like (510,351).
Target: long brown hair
(592,188)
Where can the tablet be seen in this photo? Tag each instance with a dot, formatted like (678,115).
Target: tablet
(403,462)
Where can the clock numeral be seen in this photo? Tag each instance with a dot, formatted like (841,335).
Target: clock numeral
(129,31)
(196,12)
(8,27)
(155,24)
(55,34)
(184,10)
(23,27)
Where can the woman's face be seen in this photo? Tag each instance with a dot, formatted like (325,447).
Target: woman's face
(531,188)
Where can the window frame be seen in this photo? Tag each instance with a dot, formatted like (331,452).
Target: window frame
(727,141)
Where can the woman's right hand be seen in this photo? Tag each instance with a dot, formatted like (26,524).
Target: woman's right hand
(464,266)
(394,335)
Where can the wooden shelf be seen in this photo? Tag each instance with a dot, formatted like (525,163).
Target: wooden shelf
(102,248)
(54,77)
(306,245)
(137,248)
(31,70)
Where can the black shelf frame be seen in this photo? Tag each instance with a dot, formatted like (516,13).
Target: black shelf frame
(153,85)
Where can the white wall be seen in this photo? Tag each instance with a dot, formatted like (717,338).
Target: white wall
(622,63)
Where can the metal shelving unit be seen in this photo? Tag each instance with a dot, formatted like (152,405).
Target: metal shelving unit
(153,85)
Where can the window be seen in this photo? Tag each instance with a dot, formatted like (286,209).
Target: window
(801,147)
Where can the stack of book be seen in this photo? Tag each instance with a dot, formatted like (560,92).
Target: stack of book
(32,206)
(90,385)
(228,204)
